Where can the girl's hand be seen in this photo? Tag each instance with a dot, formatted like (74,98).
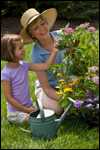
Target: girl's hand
(55,49)
(31,109)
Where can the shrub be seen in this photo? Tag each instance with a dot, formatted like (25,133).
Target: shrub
(78,75)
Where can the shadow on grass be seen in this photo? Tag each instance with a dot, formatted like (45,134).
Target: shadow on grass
(75,124)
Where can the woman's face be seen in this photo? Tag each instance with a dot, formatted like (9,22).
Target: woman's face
(40,29)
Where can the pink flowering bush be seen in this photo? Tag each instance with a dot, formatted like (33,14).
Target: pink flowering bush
(91,29)
(68,31)
(78,75)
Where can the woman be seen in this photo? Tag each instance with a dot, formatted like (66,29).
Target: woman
(37,27)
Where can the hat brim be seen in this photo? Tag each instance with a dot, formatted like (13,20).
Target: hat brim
(50,15)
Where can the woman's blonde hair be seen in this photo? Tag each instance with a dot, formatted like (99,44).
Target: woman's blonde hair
(8,46)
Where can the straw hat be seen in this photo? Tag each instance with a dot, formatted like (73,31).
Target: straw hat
(30,15)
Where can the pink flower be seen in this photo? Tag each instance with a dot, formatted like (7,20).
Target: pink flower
(84,25)
(68,30)
(91,29)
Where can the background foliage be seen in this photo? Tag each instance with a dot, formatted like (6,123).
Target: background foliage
(86,10)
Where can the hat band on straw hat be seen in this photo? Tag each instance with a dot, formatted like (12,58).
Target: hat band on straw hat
(31,18)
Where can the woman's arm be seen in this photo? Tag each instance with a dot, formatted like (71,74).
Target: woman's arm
(44,66)
(45,85)
(7,93)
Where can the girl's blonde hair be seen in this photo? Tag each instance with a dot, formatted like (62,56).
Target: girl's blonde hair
(8,46)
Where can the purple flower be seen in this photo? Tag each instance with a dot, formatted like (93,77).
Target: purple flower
(89,94)
(91,29)
(78,104)
(95,80)
(89,106)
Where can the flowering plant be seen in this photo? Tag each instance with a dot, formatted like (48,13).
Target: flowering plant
(78,75)
(79,87)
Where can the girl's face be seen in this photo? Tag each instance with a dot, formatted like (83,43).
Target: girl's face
(19,51)
(40,29)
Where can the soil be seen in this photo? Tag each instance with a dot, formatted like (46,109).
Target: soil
(12,24)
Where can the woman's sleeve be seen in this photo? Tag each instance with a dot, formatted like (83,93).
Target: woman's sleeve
(57,34)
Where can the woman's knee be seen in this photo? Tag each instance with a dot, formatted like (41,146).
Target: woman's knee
(52,104)
(47,102)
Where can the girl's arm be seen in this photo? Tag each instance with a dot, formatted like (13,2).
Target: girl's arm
(44,66)
(7,93)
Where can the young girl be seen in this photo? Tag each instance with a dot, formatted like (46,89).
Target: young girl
(14,77)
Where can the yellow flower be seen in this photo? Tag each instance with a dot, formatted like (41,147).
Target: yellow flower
(59,74)
(74,82)
(59,93)
(57,87)
(61,80)
(68,89)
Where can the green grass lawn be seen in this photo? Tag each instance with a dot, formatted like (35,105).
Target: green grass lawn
(72,134)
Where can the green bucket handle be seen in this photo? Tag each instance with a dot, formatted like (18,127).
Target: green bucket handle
(40,107)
